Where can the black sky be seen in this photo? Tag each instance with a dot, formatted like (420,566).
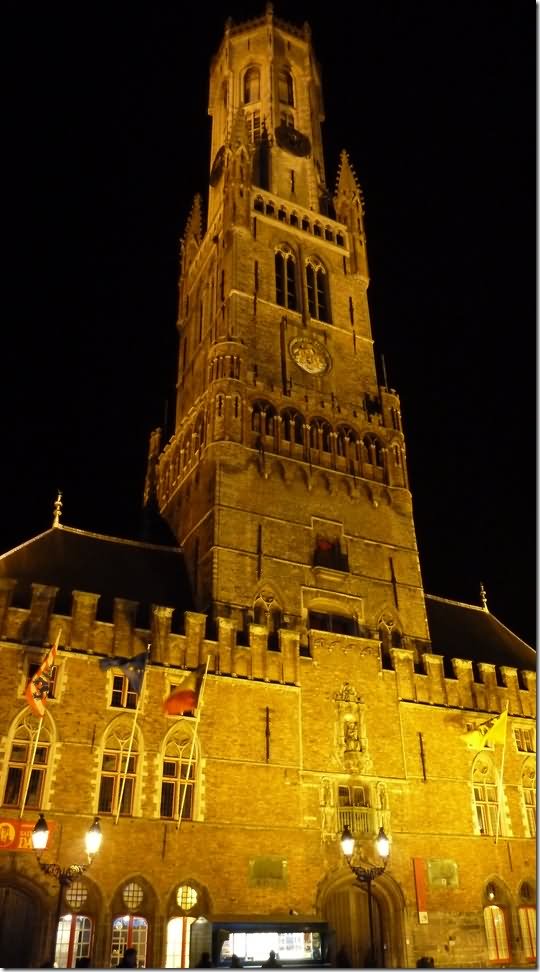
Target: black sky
(106,141)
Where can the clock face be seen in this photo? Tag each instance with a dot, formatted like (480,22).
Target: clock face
(310,356)
(292,140)
(217,166)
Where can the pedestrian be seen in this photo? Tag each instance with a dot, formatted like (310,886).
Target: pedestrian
(128,960)
(205,961)
(83,963)
(425,962)
(271,961)
(342,958)
(235,962)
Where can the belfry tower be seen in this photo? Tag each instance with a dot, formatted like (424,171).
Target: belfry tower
(285,480)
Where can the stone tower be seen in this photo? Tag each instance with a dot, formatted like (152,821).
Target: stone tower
(285,480)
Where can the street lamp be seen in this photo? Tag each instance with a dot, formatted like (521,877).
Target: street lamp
(64,875)
(366,875)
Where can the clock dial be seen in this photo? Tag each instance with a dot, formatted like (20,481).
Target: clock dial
(292,140)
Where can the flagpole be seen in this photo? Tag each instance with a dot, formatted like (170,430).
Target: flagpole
(131,738)
(28,774)
(197,718)
(499,801)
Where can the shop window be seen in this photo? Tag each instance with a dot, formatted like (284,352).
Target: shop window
(22,759)
(73,940)
(178,942)
(129,931)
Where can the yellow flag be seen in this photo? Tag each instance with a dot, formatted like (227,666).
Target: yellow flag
(493,731)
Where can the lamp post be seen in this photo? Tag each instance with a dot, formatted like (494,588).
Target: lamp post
(366,875)
(64,875)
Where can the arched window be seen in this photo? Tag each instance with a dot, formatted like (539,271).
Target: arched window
(252,85)
(179,929)
(119,767)
(129,931)
(178,776)
(317,288)
(528,789)
(22,757)
(373,450)
(286,278)
(285,87)
(258,205)
(292,426)
(527,921)
(266,611)
(485,795)
(262,418)
(74,934)
(496,934)
(346,441)
(319,434)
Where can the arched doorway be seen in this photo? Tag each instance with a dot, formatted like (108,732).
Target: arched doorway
(19,928)
(343,903)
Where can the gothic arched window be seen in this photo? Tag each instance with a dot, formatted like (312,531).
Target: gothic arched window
(373,450)
(485,796)
(22,758)
(262,418)
(292,426)
(285,87)
(319,434)
(496,934)
(252,85)
(286,278)
(119,770)
(528,790)
(317,288)
(178,776)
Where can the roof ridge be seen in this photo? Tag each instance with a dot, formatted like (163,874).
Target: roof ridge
(447,600)
(105,536)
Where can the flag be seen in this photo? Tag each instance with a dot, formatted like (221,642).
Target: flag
(493,731)
(132,668)
(37,690)
(185,697)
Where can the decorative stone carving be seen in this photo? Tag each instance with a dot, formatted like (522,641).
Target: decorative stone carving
(310,355)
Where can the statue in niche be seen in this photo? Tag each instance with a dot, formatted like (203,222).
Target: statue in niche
(347,694)
(327,807)
(352,739)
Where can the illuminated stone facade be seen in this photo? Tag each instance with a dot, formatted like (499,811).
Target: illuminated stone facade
(337,691)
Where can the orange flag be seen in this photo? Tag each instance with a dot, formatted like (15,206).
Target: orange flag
(37,690)
(185,697)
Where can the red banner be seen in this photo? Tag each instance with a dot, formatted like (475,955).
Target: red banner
(16,835)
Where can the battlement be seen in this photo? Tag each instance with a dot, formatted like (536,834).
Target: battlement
(281,657)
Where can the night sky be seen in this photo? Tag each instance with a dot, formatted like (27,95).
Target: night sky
(106,141)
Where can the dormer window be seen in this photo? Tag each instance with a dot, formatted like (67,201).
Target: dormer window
(252,85)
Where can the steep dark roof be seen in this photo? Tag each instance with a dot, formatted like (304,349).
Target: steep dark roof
(466,631)
(74,560)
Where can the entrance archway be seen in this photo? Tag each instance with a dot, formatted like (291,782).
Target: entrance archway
(19,925)
(343,903)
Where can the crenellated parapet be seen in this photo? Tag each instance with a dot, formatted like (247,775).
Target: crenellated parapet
(283,658)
